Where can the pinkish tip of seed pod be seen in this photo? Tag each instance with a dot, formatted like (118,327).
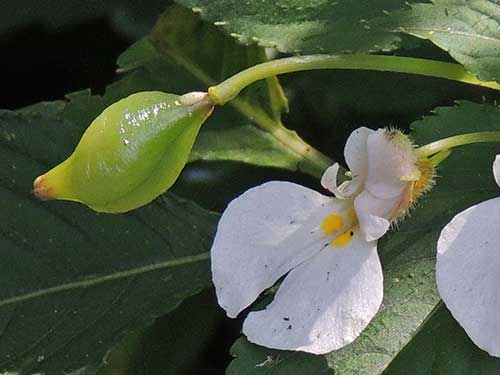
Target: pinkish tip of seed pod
(41,190)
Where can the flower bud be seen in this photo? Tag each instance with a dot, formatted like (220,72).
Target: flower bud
(131,153)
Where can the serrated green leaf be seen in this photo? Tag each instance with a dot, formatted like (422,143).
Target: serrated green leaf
(138,54)
(324,26)
(408,253)
(442,347)
(468,30)
(74,281)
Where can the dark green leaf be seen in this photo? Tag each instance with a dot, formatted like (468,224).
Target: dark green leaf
(252,359)
(468,30)
(187,340)
(72,280)
(180,342)
(324,26)
(442,347)
(246,144)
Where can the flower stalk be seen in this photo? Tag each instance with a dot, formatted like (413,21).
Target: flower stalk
(441,156)
(446,144)
(230,88)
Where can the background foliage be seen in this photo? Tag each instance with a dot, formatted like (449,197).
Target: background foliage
(84,293)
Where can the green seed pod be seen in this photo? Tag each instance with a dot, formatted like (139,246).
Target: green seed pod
(131,153)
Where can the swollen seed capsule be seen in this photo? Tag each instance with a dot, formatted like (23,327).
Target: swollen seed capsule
(131,153)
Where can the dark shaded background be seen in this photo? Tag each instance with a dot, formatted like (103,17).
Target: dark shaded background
(52,47)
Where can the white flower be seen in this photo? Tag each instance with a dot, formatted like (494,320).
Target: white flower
(326,246)
(468,270)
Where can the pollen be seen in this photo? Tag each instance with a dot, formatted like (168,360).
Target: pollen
(332,224)
(426,180)
(343,239)
(352,214)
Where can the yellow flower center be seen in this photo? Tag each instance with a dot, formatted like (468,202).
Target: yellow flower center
(334,223)
(343,239)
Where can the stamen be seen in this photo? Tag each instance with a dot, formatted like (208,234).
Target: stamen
(332,224)
(343,239)
(352,214)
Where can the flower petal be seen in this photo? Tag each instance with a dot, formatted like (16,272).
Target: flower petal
(323,304)
(346,189)
(468,272)
(374,214)
(356,158)
(389,163)
(355,151)
(329,178)
(262,235)
(496,169)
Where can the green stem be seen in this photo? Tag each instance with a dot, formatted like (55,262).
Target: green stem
(230,88)
(458,140)
(438,158)
(313,162)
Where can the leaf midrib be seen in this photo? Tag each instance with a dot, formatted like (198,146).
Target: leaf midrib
(106,278)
